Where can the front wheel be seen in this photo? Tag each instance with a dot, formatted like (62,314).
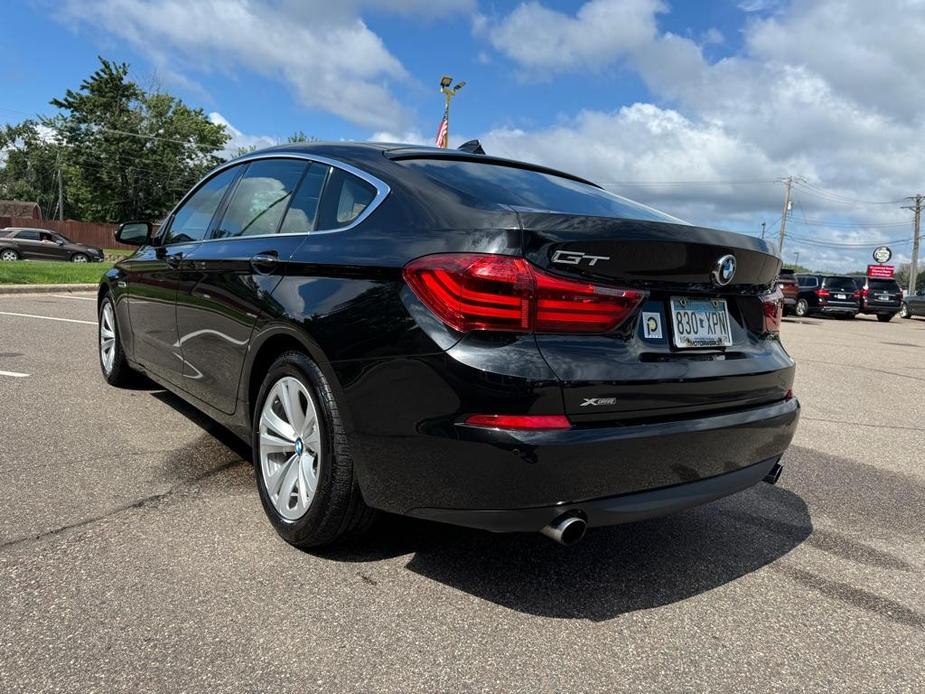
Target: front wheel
(302,462)
(79,258)
(9,255)
(113,364)
(904,311)
(802,308)
(885,317)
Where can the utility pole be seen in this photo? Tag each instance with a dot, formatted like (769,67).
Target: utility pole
(788,182)
(763,225)
(916,208)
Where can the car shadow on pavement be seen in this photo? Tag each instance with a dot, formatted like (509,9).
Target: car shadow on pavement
(613,570)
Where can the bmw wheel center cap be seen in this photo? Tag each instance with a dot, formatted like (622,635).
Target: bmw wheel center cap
(298,447)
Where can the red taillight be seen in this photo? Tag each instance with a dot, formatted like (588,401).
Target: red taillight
(476,291)
(772,305)
(517,421)
(822,293)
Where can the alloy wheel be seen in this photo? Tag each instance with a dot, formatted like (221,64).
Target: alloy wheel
(107,337)
(8,255)
(904,311)
(801,308)
(79,258)
(290,447)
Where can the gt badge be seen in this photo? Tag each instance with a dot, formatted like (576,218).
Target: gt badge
(574,258)
(652,326)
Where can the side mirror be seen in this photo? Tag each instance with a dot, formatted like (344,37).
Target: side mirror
(134,233)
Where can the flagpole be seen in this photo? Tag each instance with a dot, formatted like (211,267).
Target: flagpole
(448,94)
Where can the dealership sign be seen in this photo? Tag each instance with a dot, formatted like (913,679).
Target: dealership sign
(884,272)
(882,254)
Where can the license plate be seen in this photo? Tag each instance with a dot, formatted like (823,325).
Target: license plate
(841,296)
(700,322)
(883,297)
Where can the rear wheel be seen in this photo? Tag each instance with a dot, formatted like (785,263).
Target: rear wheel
(885,317)
(302,462)
(79,258)
(8,254)
(113,364)
(802,308)
(904,311)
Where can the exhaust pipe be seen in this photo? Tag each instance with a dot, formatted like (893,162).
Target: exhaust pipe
(774,474)
(566,530)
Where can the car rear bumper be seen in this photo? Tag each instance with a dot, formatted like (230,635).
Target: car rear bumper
(842,310)
(881,308)
(624,508)
(521,480)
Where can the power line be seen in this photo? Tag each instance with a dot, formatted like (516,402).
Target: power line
(832,196)
(841,244)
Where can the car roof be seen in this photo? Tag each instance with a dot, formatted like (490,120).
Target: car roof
(365,154)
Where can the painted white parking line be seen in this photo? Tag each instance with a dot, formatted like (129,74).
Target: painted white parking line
(78,298)
(13,374)
(63,320)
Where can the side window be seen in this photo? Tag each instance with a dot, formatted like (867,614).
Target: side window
(345,197)
(28,235)
(191,222)
(260,198)
(46,237)
(304,207)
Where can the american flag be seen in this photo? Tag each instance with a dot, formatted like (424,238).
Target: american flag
(442,131)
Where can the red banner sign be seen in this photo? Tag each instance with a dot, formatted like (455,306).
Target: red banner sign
(884,272)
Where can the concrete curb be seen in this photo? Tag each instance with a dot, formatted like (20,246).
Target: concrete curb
(46,288)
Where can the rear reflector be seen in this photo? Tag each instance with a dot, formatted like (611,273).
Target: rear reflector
(517,421)
(772,305)
(477,291)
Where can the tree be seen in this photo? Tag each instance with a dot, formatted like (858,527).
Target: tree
(299,136)
(30,168)
(124,153)
(902,276)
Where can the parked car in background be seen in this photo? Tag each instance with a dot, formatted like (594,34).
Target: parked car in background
(787,283)
(913,305)
(18,243)
(879,297)
(834,295)
(456,337)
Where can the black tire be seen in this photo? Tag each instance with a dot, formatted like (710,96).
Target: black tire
(120,373)
(802,308)
(9,254)
(904,311)
(885,317)
(80,258)
(337,512)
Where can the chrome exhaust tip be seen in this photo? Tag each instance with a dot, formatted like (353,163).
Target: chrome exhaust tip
(774,474)
(566,530)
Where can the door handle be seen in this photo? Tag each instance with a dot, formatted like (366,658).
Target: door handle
(264,263)
(174,260)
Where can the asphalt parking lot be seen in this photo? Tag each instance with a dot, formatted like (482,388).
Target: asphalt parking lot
(134,553)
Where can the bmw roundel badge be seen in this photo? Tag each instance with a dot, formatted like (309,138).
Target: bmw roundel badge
(724,271)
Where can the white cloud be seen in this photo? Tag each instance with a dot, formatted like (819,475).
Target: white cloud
(543,40)
(322,50)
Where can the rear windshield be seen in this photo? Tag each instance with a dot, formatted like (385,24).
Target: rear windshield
(883,285)
(532,190)
(840,283)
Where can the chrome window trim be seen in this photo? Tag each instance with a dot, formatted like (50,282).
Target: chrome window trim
(382,192)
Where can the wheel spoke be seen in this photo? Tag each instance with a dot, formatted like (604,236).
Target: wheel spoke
(271,420)
(289,481)
(274,444)
(291,402)
(308,480)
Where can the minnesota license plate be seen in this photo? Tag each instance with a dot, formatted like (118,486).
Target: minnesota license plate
(700,322)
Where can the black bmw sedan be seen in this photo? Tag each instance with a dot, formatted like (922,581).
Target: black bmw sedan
(456,337)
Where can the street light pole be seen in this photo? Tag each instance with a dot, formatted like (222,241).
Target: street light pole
(916,208)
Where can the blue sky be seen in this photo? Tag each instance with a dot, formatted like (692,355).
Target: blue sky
(693,107)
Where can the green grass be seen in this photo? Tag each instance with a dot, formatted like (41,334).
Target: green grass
(117,252)
(51,272)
